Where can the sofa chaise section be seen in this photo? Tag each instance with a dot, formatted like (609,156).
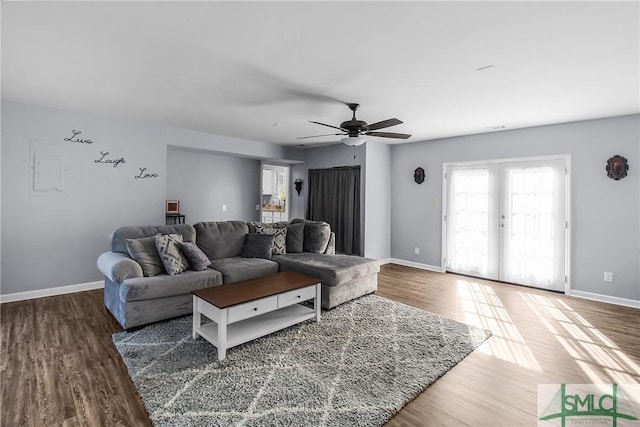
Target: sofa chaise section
(344,277)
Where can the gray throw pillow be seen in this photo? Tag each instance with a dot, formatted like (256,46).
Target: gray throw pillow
(197,259)
(168,246)
(258,245)
(144,252)
(295,238)
(316,236)
(280,240)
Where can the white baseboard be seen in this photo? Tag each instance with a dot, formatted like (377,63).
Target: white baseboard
(60,290)
(435,268)
(605,298)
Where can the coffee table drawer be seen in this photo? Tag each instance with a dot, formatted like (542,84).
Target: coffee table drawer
(298,295)
(252,309)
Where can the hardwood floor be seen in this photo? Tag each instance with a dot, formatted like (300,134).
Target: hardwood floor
(59,366)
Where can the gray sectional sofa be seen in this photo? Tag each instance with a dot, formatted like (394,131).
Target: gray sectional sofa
(136,294)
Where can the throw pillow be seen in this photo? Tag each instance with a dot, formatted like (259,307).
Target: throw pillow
(258,245)
(168,246)
(197,259)
(280,238)
(144,252)
(316,236)
(295,238)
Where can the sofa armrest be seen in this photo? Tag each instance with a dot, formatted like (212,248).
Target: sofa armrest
(331,246)
(118,267)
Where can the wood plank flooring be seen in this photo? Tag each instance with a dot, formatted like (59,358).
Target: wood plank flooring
(59,366)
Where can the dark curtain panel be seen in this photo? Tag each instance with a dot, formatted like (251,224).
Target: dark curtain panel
(334,197)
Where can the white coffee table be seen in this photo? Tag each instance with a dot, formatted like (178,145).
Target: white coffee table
(246,310)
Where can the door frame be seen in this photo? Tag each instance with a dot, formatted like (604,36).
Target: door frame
(568,215)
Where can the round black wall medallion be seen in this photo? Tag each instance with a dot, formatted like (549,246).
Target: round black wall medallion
(617,167)
(418,175)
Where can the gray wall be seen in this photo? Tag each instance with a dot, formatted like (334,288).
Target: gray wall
(204,182)
(377,225)
(53,239)
(605,214)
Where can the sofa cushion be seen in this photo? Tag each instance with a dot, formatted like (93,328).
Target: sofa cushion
(332,269)
(258,245)
(163,285)
(316,236)
(197,259)
(173,259)
(279,241)
(144,252)
(222,239)
(120,236)
(238,268)
(295,238)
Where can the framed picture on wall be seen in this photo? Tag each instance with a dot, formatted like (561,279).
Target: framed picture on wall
(173,207)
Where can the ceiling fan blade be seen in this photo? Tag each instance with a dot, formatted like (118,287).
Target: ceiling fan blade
(317,136)
(385,124)
(389,135)
(324,124)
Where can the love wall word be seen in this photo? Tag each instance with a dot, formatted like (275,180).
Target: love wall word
(74,138)
(145,175)
(114,162)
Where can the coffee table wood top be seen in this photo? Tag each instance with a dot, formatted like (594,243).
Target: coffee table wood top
(230,294)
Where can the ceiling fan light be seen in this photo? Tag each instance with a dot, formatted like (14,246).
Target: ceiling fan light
(354,141)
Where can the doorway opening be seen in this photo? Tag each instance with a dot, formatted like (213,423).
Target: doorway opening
(274,193)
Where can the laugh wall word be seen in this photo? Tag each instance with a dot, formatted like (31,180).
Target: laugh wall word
(114,162)
(145,175)
(74,138)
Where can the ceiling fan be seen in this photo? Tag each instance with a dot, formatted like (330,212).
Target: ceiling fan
(355,129)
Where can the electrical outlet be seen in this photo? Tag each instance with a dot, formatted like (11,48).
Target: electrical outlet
(608,276)
(416,250)
(257,207)
(224,208)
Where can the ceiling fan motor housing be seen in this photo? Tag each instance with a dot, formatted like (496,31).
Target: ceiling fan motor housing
(354,127)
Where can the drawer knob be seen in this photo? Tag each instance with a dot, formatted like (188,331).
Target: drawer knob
(299,296)
(255,309)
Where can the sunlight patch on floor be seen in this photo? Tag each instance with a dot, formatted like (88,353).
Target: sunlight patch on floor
(596,355)
(483,308)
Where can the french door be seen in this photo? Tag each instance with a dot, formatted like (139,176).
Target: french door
(507,221)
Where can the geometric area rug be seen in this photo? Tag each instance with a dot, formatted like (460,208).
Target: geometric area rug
(359,366)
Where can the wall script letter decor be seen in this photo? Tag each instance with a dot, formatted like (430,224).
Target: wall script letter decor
(114,162)
(144,175)
(617,167)
(74,138)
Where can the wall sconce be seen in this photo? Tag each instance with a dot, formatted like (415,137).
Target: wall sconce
(298,185)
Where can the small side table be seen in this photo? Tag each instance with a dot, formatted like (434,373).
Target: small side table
(175,218)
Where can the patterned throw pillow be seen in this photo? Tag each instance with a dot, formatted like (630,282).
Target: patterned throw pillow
(168,246)
(144,252)
(197,259)
(280,238)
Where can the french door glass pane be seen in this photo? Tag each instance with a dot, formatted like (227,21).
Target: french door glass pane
(470,222)
(532,244)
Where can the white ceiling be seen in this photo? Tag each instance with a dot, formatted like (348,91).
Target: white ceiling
(239,68)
